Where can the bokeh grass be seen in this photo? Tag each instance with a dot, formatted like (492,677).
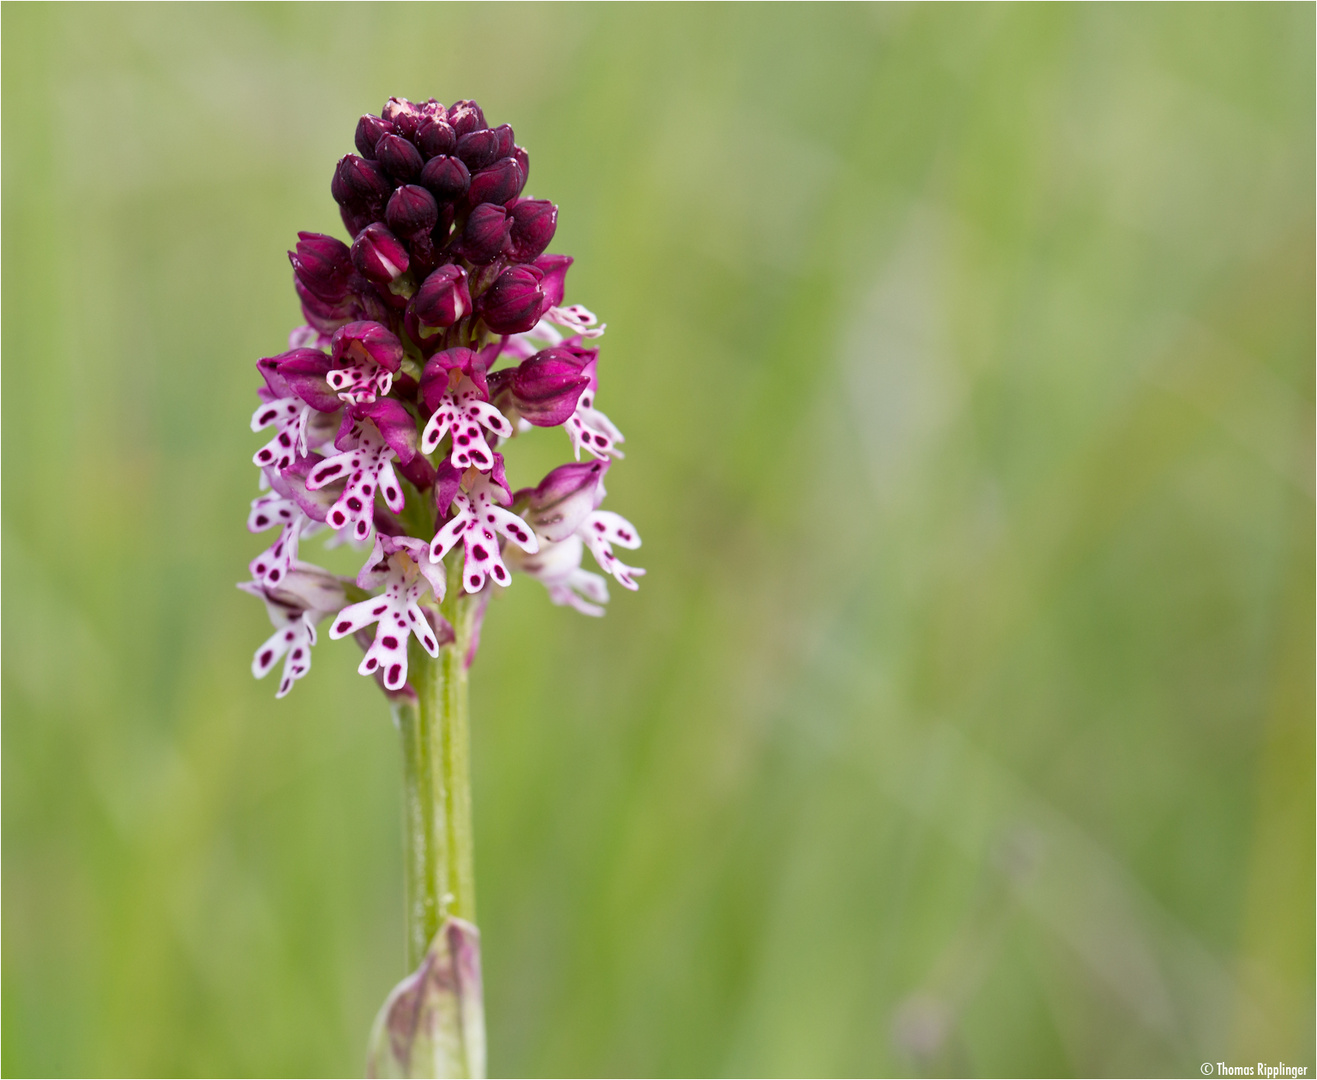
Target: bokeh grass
(964,722)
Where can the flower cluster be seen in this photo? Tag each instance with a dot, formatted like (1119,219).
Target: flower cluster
(434,338)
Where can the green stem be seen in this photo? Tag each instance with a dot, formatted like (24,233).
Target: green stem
(436,743)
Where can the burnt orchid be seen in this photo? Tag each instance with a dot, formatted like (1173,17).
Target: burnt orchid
(432,341)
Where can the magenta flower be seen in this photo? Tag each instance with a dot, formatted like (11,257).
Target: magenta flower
(563,511)
(401,564)
(305,597)
(476,518)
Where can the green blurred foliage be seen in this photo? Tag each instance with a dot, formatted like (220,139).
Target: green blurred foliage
(964,722)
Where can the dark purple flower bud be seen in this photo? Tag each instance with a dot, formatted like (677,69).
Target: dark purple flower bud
(499,183)
(523,159)
(436,137)
(512,305)
(478,148)
(323,265)
(359,341)
(354,220)
(506,140)
(485,234)
(369,131)
(403,115)
(379,255)
(465,116)
(446,177)
(439,234)
(563,499)
(555,276)
(358,181)
(424,257)
(322,314)
(443,298)
(534,221)
(400,159)
(304,370)
(411,210)
(544,389)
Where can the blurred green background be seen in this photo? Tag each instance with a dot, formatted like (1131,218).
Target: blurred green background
(964,722)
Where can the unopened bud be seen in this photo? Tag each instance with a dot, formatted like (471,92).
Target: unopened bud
(443,298)
(485,234)
(544,389)
(411,210)
(446,177)
(403,115)
(478,148)
(507,141)
(436,137)
(534,222)
(322,264)
(379,255)
(324,315)
(522,158)
(512,305)
(499,183)
(400,159)
(465,116)
(358,181)
(355,220)
(370,129)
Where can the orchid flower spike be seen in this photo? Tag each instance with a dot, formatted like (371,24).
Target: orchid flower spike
(436,333)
